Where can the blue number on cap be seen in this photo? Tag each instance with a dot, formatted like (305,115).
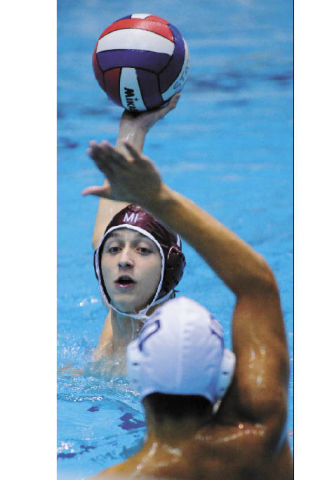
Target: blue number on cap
(150,328)
(216,328)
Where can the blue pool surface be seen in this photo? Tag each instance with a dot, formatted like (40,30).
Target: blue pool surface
(227,146)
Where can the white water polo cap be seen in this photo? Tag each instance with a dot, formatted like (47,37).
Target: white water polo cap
(168,243)
(180,351)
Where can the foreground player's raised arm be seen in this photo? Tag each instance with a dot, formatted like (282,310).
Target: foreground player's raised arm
(259,391)
(262,372)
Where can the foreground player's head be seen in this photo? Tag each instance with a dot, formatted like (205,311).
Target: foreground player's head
(180,351)
(171,259)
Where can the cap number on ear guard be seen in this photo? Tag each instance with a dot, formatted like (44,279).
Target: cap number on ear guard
(149,329)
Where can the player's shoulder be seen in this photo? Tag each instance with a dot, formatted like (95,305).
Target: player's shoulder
(227,432)
(110,473)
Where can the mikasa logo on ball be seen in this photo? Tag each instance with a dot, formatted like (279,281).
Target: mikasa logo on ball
(130,91)
(130,101)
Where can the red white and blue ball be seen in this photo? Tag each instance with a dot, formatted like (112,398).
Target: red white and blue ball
(141,61)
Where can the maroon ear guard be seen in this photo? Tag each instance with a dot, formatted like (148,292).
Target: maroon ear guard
(175,263)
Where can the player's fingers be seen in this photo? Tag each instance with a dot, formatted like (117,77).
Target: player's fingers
(170,105)
(98,191)
(95,148)
(95,151)
(114,155)
(137,156)
(174,100)
(105,166)
(103,157)
(101,150)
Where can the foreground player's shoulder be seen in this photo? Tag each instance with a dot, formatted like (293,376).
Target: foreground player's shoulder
(242,450)
(107,474)
(123,470)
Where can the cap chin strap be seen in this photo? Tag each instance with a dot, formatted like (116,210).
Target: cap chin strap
(142,314)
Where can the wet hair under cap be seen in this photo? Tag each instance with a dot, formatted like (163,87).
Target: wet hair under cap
(173,261)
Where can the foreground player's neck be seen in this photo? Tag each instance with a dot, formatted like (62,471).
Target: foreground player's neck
(173,432)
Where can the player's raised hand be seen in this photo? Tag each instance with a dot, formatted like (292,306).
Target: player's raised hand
(132,177)
(146,120)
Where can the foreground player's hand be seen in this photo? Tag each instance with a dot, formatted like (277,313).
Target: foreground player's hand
(131,178)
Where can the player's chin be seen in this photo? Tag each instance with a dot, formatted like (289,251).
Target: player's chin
(126,302)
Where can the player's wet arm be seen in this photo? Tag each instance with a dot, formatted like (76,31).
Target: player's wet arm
(236,263)
(259,339)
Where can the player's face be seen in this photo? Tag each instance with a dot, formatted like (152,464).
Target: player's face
(131,269)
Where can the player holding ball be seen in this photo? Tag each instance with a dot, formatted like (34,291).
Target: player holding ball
(144,54)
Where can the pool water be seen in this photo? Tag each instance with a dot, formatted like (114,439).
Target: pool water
(227,146)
